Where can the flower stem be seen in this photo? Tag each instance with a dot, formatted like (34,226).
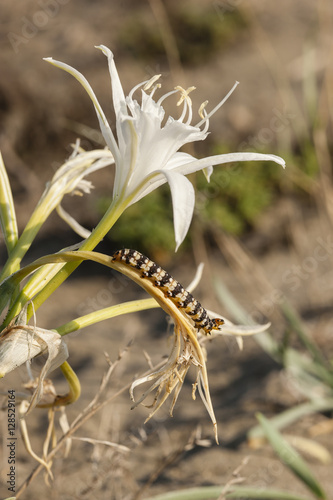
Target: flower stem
(107,313)
(24,242)
(109,219)
(74,388)
(74,385)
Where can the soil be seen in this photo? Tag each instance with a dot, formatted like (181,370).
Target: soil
(42,111)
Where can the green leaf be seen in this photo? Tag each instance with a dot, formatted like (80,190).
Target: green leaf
(289,416)
(214,492)
(290,457)
(7,292)
(319,366)
(7,210)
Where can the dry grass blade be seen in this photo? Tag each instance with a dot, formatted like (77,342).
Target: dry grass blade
(25,436)
(194,439)
(169,40)
(119,447)
(236,479)
(240,492)
(92,408)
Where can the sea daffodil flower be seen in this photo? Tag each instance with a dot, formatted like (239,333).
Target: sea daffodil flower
(146,150)
(68,179)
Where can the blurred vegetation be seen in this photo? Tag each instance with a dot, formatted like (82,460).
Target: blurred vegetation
(232,201)
(239,193)
(236,194)
(199,32)
(147,225)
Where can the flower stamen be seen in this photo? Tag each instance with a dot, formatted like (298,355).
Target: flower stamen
(161,99)
(218,105)
(151,82)
(184,94)
(201,111)
(203,114)
(184,97)
(146,84)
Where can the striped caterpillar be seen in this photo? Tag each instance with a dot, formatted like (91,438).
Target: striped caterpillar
(170,287)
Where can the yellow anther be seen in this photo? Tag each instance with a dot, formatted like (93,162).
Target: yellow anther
(201,109)
(184,94)
(76,192)
(151,82)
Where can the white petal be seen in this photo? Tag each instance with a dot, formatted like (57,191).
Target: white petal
(156,146)
(208,172)
(57,354)
(243,330)
(148,105)
(119,101)
(74,224)
(70,177)
(177,160)
(17,347)
(22,343)
(104,125)
(187,164)
(118,98)
(183,199)
(196,165)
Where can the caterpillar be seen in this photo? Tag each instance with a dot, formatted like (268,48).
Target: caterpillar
(171,288)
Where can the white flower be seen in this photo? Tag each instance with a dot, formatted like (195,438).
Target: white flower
(146,151)
(69,179)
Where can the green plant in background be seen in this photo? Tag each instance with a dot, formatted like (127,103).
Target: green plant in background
(154,235)
(310,372)
(232,202)
(199,32)
(287,455)
(239,194)
(235,197)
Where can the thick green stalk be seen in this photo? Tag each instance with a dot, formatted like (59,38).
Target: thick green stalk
(110,218)
(22,246)
(107,313)
(7,210)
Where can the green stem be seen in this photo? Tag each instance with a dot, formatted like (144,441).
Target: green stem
(74,388)
(7,210)
(74,385)
(110,218)
(107,313)
(22,246)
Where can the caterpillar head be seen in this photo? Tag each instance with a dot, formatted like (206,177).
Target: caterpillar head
(216,323)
